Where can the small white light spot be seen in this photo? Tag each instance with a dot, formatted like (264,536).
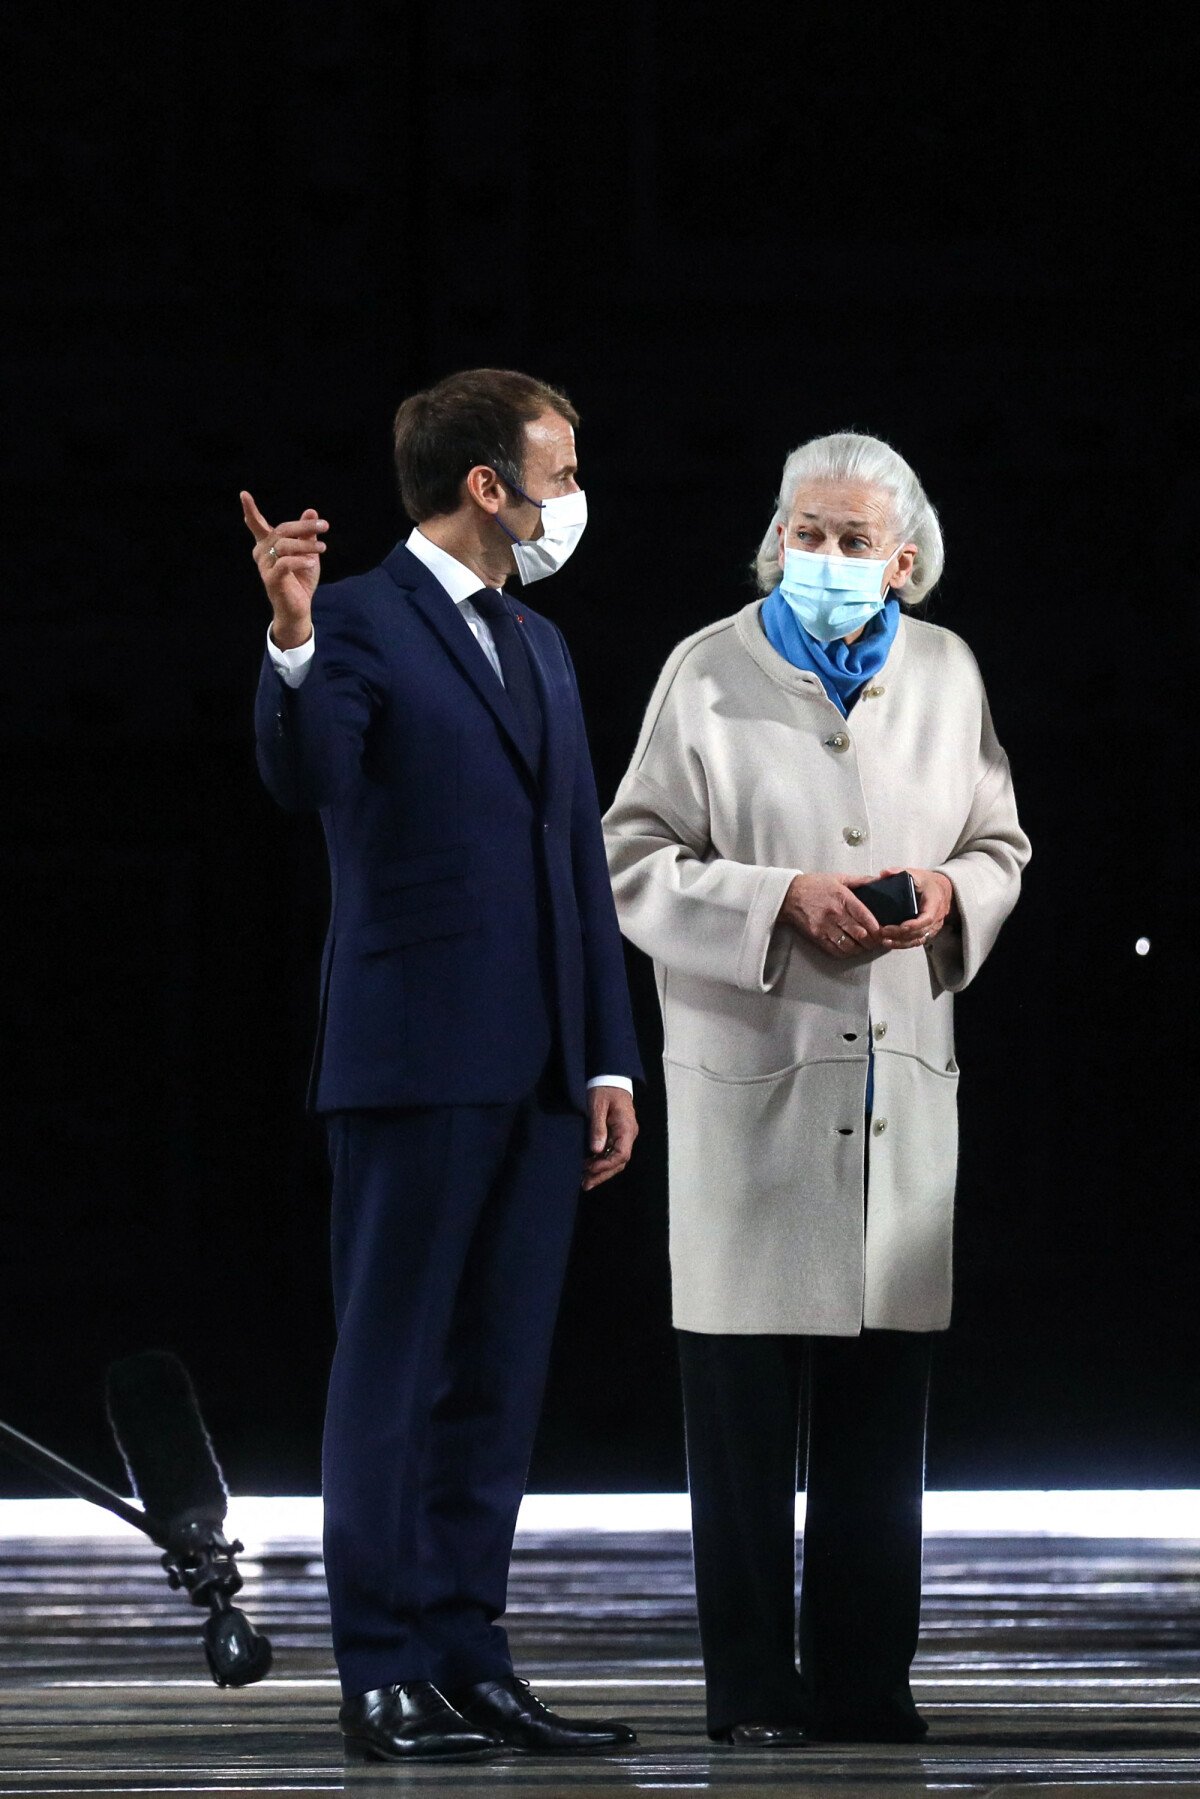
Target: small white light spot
(1142,946)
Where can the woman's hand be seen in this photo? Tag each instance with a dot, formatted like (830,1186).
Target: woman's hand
(936,896)
(823,909)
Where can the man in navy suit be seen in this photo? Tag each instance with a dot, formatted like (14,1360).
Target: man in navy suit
(475,1053)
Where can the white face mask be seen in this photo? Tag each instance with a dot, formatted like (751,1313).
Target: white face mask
(834,596)
(563,519)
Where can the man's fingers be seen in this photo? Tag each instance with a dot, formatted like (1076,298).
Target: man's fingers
(612,1140)
(306,526)
(293,546)
(598,1171)
(624,1136)
(255,521)
(609,1161)
(293,562)
(598,1136)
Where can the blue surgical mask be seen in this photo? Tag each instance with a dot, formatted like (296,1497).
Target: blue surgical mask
(833,596)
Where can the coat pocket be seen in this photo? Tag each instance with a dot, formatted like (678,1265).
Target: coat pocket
(454,918)
(397,886)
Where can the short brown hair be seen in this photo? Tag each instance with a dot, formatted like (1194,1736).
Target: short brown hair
(476,416)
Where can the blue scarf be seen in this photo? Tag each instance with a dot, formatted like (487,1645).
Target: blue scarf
(843,668)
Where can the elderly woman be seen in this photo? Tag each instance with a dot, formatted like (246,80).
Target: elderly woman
(814,741)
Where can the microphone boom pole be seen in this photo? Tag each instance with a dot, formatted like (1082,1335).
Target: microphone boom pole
(73,1480)
(161,1435)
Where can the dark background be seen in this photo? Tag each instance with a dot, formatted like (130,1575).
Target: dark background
(236,241)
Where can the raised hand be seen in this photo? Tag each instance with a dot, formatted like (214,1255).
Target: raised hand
(823,909)
(289,561)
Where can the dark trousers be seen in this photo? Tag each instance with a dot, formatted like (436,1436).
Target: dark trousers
(451,1228)
(861,1588)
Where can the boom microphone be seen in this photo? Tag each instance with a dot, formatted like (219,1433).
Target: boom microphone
(160,1433)
(169,1456)
(166,1449)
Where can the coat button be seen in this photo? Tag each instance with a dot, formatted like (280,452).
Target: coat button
(839,741)
(545,827)
(853,835)
(880,1032)
(879,1127)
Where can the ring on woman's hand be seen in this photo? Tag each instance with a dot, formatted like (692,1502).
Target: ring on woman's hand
(841,940)
(273,553)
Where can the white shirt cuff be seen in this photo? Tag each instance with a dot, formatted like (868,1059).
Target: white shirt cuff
(612,1080)
(291,665)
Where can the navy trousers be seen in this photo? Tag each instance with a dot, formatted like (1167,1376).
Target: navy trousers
(860,1604)
(451,1229)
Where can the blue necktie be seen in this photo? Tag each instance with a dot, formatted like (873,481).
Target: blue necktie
(492,604)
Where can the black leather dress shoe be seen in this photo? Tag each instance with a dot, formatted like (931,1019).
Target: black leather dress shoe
(763,1736)
(510,1711)
(410,1723)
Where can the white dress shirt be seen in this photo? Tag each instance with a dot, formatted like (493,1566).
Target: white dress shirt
(460,582)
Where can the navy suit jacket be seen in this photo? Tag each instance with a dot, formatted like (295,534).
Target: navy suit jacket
(464,887)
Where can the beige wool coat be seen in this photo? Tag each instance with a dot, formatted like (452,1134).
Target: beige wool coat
(744,775)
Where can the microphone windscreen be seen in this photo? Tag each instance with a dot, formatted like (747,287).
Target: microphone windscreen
(155,1418)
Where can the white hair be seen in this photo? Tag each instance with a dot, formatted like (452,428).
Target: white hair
(846,456)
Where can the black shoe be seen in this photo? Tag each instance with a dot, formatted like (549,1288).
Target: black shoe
(410,1723)
(510,1711)
(762,1736)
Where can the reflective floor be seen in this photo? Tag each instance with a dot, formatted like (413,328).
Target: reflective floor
(1047,1666)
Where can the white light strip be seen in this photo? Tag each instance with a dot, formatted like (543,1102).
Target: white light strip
(1165,1513)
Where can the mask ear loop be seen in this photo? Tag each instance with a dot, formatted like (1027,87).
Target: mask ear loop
(898,551)
(508,481)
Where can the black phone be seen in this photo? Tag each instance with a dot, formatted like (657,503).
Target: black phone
(892,900)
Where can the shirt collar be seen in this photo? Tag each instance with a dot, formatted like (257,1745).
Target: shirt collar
(459,581)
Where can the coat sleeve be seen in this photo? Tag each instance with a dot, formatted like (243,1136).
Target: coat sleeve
(984,868)
(610,1038)
(310,738)
(686,906)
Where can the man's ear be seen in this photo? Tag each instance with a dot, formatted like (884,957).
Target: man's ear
(483,485)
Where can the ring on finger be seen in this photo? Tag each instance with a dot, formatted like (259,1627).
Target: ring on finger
(842,939)
(273,554)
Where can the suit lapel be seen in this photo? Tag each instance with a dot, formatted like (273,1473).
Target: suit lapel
(457,638)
